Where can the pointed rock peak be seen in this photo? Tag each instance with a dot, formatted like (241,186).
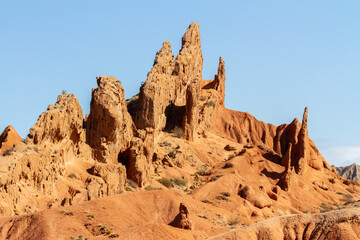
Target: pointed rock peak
(164,57)
(305,116)
(8,137)
(166,46)
(191,36)
(220,77)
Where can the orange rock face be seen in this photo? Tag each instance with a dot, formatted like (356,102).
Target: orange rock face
(7,138)
(109,127)
(61,121)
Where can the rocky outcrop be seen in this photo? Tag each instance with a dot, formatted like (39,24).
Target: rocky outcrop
(8,138)
(245,129)
(158,91)
(172,86)
(34,174)
(302,151)
(62,120)
(191,116)
(109,127)
(351,172)
(112,177)
(182,220)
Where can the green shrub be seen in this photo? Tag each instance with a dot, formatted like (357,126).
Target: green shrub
(222,198)
(325,208)
(211,103)
(214,178)
(202,170)
(179,181)
(132,183)
(150,188)
(233,221)
(166,182)
(114,235)
(164,144)
(230,157)
(178,132)
(73,176)
(8,152)
(226,194)
(228,165)
(25,141)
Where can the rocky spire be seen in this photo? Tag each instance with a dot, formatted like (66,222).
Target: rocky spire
(191,116)
(109,127)
(302,147)
(188,63)
(220,80)
(157,92)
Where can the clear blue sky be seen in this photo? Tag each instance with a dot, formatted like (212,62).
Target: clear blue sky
(280,57)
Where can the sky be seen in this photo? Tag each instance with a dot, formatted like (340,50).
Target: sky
(280,56)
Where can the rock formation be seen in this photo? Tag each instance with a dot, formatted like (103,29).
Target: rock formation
(176,133)
(109,127)
(172,86)
(62,120)
(7,138)
(182,220)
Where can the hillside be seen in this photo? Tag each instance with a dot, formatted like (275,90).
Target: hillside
(351,172)
(172,162)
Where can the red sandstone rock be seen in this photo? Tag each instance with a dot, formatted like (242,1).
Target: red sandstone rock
(109,127)
(8,138)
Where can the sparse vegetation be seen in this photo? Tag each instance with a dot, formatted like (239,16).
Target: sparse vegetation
(132,183)
(179,181)
(25,141)
(207,201)
(104,229)
(114,235)
(178,132)
(211,103)
(8,152)
(222,198)
(80,237)
(164,144)
(203,216)
(63,92)
(73,176)
(350,190)
(325,208)
(231,157)
(225,194)
(150,188)
(233,221)
(202,98)
(216,177)
(166,182)
(202,170)
(348,199)
(67,213)
(90,216)
(228,165)
(332,180)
